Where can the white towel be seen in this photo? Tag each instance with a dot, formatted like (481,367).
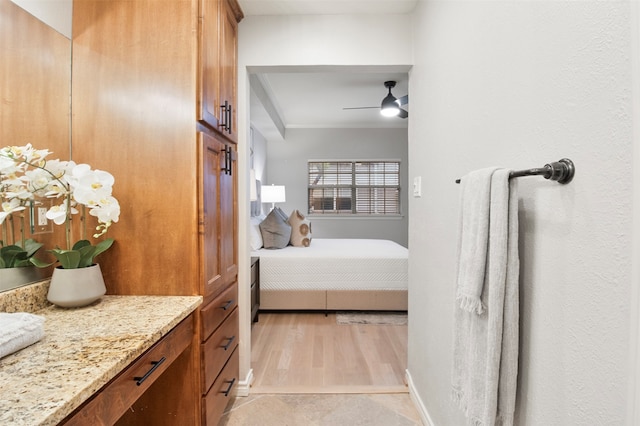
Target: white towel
(19,330)
(485,353)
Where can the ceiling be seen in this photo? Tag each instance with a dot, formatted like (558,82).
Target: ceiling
(314,97)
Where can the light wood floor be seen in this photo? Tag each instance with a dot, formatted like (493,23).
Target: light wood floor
(310,353)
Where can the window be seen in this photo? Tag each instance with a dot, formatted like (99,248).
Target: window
(354,187)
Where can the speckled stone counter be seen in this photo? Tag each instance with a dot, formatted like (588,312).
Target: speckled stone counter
(83,349)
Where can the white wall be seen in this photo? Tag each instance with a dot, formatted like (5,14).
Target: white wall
(288,166)
(519,84)
(266,41)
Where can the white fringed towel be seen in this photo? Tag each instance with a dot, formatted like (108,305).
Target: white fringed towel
(19,330)
(485,353)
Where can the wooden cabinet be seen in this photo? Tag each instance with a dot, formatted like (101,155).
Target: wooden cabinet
(218,65)
(219,354)
(145,78)
(115,399)
(255,288)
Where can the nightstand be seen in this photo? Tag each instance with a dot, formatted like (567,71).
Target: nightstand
(255,288)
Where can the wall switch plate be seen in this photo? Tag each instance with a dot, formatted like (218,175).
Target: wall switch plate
(417,186)
(38,217)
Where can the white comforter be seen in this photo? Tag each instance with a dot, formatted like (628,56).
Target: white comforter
(335,264)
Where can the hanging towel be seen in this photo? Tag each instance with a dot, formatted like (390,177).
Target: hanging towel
(19,330)
(485,353)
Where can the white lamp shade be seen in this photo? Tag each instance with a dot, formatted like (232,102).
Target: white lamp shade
(273,194)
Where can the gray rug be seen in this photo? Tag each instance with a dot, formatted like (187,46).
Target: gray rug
(376,318)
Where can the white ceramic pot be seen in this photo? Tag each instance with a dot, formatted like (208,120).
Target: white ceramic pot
(73,288)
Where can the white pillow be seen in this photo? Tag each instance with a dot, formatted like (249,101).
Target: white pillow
(255,236)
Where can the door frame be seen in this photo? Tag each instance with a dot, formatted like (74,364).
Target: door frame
(633,411)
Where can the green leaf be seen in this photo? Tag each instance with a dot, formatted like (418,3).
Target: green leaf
(39,263)
(103,246)
(31,247)
(87,254)
(81,243)
(69,259)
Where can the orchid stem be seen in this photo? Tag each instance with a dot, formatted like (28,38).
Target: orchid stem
(4,234)
(22,235)
(83,219)
(12,231)
(67,223)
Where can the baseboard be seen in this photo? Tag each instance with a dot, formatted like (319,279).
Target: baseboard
(244,385)
(415,397)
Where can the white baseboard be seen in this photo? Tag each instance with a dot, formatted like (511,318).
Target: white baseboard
(243,385)
(415,397)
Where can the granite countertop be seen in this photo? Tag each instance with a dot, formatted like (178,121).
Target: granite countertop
(82,350)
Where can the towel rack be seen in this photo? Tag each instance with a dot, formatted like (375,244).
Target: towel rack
(561,171)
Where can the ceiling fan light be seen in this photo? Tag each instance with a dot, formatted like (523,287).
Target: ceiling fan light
(390,106)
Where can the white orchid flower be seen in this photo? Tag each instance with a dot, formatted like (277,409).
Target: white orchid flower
(92,187)
(9,207)
(58,214)
(107,211)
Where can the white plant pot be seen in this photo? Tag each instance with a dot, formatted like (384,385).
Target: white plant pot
(73,288)
(16,277)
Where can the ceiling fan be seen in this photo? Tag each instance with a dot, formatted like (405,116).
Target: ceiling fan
(390,105)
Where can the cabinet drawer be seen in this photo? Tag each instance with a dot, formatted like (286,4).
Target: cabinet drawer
(115,398)
(212,315)
(220,394)
(216,350)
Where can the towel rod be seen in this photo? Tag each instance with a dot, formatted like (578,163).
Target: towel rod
(561,171)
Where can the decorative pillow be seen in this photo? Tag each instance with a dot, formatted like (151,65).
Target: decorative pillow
(276,232)
(300,229)
(280,213)
(255,235)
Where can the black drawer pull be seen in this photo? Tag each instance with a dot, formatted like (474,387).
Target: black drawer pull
(231,339)
(226,393)
(229,303)
(155,364)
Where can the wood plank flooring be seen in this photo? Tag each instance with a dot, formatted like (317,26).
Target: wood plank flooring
(310,353)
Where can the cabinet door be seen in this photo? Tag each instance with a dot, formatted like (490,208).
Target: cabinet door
(228,217)
(212,153)
(228,69)
(209,104)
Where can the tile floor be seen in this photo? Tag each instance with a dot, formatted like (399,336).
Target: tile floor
(394,409)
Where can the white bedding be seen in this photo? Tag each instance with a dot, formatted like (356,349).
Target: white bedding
(335,264)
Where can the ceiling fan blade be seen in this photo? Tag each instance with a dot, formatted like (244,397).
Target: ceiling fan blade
(369,107)
(403,113)
(404,100)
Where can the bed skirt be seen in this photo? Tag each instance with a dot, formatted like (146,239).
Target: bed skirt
(351,300)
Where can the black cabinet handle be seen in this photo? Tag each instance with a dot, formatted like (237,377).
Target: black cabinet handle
(231,339)
(156,364)
(226,393)
(225,169)
(229,303)
(223,116)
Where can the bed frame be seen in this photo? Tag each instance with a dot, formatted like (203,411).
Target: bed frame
(352,300)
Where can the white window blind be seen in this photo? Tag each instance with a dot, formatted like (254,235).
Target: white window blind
(354,187)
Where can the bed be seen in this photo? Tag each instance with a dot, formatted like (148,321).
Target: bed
(334,274)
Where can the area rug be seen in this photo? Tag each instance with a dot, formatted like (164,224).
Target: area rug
(375,318)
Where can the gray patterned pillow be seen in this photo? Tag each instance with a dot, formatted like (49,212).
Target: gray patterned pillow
(276,232)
